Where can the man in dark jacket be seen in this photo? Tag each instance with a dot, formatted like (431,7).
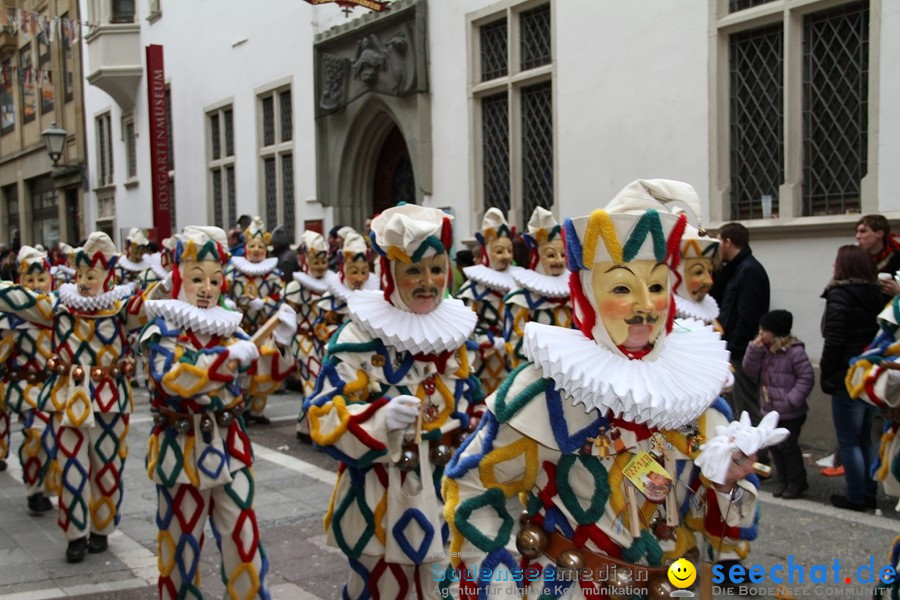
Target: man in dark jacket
(742,290)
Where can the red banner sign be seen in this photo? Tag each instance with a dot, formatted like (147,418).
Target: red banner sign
(375,5)
(159,141)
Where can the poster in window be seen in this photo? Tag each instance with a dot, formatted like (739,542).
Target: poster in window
(7,104)
(44,77)
(26,80)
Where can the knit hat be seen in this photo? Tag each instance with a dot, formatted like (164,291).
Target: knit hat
(31,259)
(542,228)
(779,322)
(636,225)
(408,233)
(493,226)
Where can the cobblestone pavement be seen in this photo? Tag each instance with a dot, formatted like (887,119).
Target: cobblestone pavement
(293,489)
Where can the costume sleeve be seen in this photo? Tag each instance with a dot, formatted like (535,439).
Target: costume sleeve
(26,304)
(345,416)
(753,359)
(514,319)
(274,365)
(274,297)
(495,464)
(184,372)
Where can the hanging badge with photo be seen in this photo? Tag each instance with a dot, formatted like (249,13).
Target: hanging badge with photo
(648,476)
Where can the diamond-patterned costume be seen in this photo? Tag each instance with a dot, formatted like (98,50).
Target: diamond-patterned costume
(7,345)
(359,376)
(248,281)
(89,396)
(26,368)
(523,305)
(206,470)
(129,271)
(490,363)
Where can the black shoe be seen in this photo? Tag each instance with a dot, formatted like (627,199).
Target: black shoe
(2,465)
(39,503)
(778,493)
(871,502)
(77,550)
(793,494)
(97,543)
(304,437)
(257,419)
(841,502)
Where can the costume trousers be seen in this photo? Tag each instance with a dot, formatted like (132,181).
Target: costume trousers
(373,577)
(853,425)
(92,460)
(36,453)
(788,457)
(4,431)
(181,517)
(256,405)
(308,367)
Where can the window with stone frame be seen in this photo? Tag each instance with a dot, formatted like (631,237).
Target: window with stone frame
(130,140)
(276,157)
(104,150)
(513,108)
(221,165)
(829,72)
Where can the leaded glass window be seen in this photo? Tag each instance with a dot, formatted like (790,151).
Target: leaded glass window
(228,118)
(493,50)
(214,136)
(287,186)
(835,108)
(232,196)
(736,5)
(495,136)
(757,111)
(217,198)
(535,37)
(271,192)
(537,147)
(287,125)
(268,110)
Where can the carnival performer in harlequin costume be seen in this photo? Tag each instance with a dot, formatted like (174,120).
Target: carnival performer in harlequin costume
(484,290)
(160,263)
(394,396)
(62,270)
(31,347)
(692,301)
(542,291)
(7,346)
(200,455)
(87,392)
(595,403)
(256,285)
(309,284)
(354,275)
(132,267)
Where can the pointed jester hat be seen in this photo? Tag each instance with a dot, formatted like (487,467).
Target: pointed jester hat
(311,243)
(694,244)
(256,229)
(542,228)
(635,225)
(408,233)
(31,259)
(198,243)
(493,226)
(99,252)
(353,250)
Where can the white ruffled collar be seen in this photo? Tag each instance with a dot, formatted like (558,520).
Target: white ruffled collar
(707,310)
(501,281)
(444,329)
(548,286)
(254,269)
(68,295)
(372,283)
(135,267)
(64,269)
(668,392)
(156,265)
(207,321)
(340,290)
(319,286)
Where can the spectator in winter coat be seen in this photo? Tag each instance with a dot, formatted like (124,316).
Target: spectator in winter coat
(742,291)
(853,300)
(873,234)
(779,361)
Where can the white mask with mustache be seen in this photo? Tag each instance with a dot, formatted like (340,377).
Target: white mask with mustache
(397,301)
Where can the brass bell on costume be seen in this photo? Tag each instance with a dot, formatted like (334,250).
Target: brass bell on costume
(225,419)
(159,419)
(32,377)
(129,367)
(61,368)
(531,541)
(660,589)
(523,517)
(206,424)
(621,585)
(409,460)
(182,425)
(570,562)
(440,454)
(78,374)
(51,363)
(113,372)
(459,437)
(96,373)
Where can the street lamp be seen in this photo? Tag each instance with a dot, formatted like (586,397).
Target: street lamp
(54,141)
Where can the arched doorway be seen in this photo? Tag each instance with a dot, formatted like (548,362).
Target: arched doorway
(394,177)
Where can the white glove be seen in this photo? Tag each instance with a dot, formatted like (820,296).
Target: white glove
(401,411)
(257,304)
(229,303)
(500,344)
(243,351)
(715,458)
(287,326)
(167,283)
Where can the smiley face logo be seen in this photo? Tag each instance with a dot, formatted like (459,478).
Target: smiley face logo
(682,573)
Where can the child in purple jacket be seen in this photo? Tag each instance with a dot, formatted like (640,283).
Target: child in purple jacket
(779,361)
